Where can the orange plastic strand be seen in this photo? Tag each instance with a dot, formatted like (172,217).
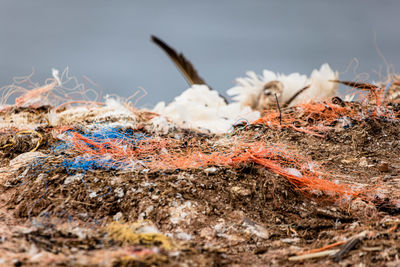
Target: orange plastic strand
(35,93)
(322,249)
(79,102)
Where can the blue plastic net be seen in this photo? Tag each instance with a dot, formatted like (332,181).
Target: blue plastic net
(117,135)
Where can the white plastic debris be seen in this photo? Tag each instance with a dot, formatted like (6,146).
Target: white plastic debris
(182,212)
(184,236)
(294,172)
(112,114)
(118,216)
(119,192)
(211,170)
(73,178)
(147,228)
(255,229)
(160,124)
(56,75)
(25,158)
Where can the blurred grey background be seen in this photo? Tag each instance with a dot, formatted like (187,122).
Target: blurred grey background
(108,41)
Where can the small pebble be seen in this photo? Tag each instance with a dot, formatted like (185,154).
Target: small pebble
(118,216)
(73,178)
(383,167)
(241,191)
(184,236)
(211,170)
(119,192)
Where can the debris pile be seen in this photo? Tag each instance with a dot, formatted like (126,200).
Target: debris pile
(307,181)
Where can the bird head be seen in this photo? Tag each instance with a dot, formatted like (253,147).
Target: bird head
(266,98)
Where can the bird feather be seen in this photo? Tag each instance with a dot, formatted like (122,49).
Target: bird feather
(361,86)
(288,102)
(184,65)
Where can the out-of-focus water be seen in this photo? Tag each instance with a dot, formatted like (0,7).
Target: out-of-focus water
(108,41)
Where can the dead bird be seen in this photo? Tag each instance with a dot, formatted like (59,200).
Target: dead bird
(258,92)
(200,107)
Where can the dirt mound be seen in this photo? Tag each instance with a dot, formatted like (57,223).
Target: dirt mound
(311,184)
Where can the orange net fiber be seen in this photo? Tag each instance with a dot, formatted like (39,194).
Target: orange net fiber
(318,118)
(302,173)
(310,118)
(164,153)
(33,94)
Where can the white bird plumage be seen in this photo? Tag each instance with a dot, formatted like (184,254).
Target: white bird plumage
(249,90)
(201,108)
